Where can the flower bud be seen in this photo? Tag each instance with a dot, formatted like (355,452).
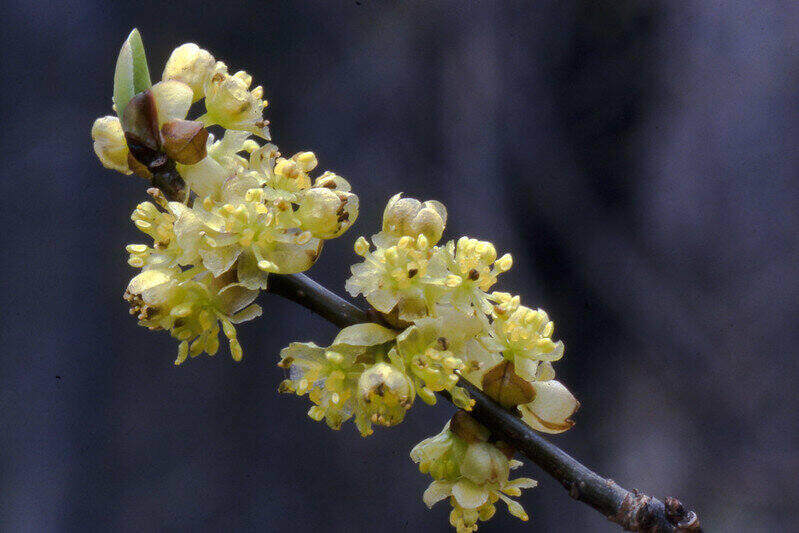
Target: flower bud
(327,213)
(409,216)
(330,180)
(385,393)
(184,141)
(110,145)
(503,385)
(192,65)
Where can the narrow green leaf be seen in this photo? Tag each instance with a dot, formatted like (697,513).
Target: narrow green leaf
(141,73)
(131,75)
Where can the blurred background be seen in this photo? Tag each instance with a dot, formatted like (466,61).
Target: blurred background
(638,158)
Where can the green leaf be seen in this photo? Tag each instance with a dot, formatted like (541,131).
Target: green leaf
(131,75)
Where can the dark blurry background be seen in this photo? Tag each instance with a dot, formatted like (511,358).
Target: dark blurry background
(638,158)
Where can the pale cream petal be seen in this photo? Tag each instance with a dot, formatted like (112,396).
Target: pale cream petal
(219,260)
(249,274)
(523,483)
(549,412)
(147,280)
(526,368)
(247,314)
(364,335)
(469,495)
(291,258)
(235,297)
(437,491)
(172,99)
(205,177)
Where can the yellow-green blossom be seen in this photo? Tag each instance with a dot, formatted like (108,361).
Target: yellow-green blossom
(472,269)
(192,305)
(473,474)
(397,276)
(230,103)
(436,350)
(385,393)
(410,217)
(523,335)
(551,408)
(330,376)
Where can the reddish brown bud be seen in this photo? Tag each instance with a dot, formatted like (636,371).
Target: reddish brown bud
(140,121)
(503,385)
(184,141)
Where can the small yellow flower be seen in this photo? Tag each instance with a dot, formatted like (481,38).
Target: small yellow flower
(472,267)
(551,408)
(409,216)
(523,335)
(385,393)
(437,350)
(327,213)
(474,475)
(191,305)
(110,145)
(230,103)
(396,276)
(331,377)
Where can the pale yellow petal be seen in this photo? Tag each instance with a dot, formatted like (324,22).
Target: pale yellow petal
(172,99)
(549,412)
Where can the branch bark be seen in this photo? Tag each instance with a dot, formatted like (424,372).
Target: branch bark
(632,510)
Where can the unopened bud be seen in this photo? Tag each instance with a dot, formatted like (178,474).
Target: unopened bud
(503,385)
(110,145)
(190,64)
(409,216)
(184,141)
(385,393)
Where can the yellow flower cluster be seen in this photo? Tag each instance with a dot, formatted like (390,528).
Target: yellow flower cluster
(239,210)
(472,472)
(353,377)
(228,210)
(447,326)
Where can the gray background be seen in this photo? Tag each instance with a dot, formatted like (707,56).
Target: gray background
(638,158)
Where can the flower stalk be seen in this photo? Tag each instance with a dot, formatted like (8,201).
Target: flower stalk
(632,510)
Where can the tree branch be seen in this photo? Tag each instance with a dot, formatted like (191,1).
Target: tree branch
(632,510)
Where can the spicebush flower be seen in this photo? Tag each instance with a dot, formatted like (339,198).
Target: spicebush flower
(523,335)
(331,377)
(230,103)
(385,393)
(191,306)
(395,278)
(410,217)
(191,65)
(551,407)
(472,473)
(472,268)
(436,350)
